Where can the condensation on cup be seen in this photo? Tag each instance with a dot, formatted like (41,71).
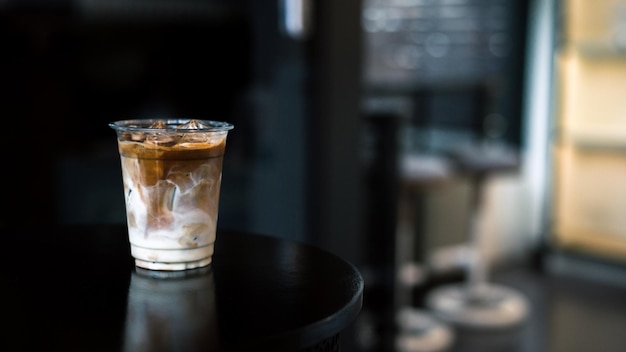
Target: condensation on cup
(172,171)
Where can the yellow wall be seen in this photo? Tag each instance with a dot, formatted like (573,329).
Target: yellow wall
(589,167)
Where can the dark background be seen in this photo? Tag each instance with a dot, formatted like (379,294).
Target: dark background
(67,71)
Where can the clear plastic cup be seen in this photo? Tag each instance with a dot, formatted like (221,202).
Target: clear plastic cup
(172,171)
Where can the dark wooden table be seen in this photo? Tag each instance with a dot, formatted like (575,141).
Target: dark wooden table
(75,288)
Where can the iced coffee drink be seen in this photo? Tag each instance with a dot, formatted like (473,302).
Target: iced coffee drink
(171,171)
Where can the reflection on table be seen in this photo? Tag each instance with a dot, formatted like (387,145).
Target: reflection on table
(80,291)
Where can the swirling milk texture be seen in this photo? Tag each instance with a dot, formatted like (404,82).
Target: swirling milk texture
(172,203)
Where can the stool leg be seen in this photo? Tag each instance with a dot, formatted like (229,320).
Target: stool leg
(476,266)
(417,329)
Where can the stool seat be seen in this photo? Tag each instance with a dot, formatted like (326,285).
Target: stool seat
(484,160)
(425,170)
(478,304)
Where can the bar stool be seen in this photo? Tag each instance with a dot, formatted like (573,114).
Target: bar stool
(419,330)
(478,303)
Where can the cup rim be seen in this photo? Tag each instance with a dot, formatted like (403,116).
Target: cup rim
(142,125)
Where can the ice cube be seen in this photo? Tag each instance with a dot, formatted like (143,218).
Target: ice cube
(201,196)
(159,138)
(163,139)
(159,124)
(182,179)
(128,136)
(137,136)
(195,138)
(193,234)
(194,124)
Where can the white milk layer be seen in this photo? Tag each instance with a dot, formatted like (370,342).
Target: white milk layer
(185,214)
